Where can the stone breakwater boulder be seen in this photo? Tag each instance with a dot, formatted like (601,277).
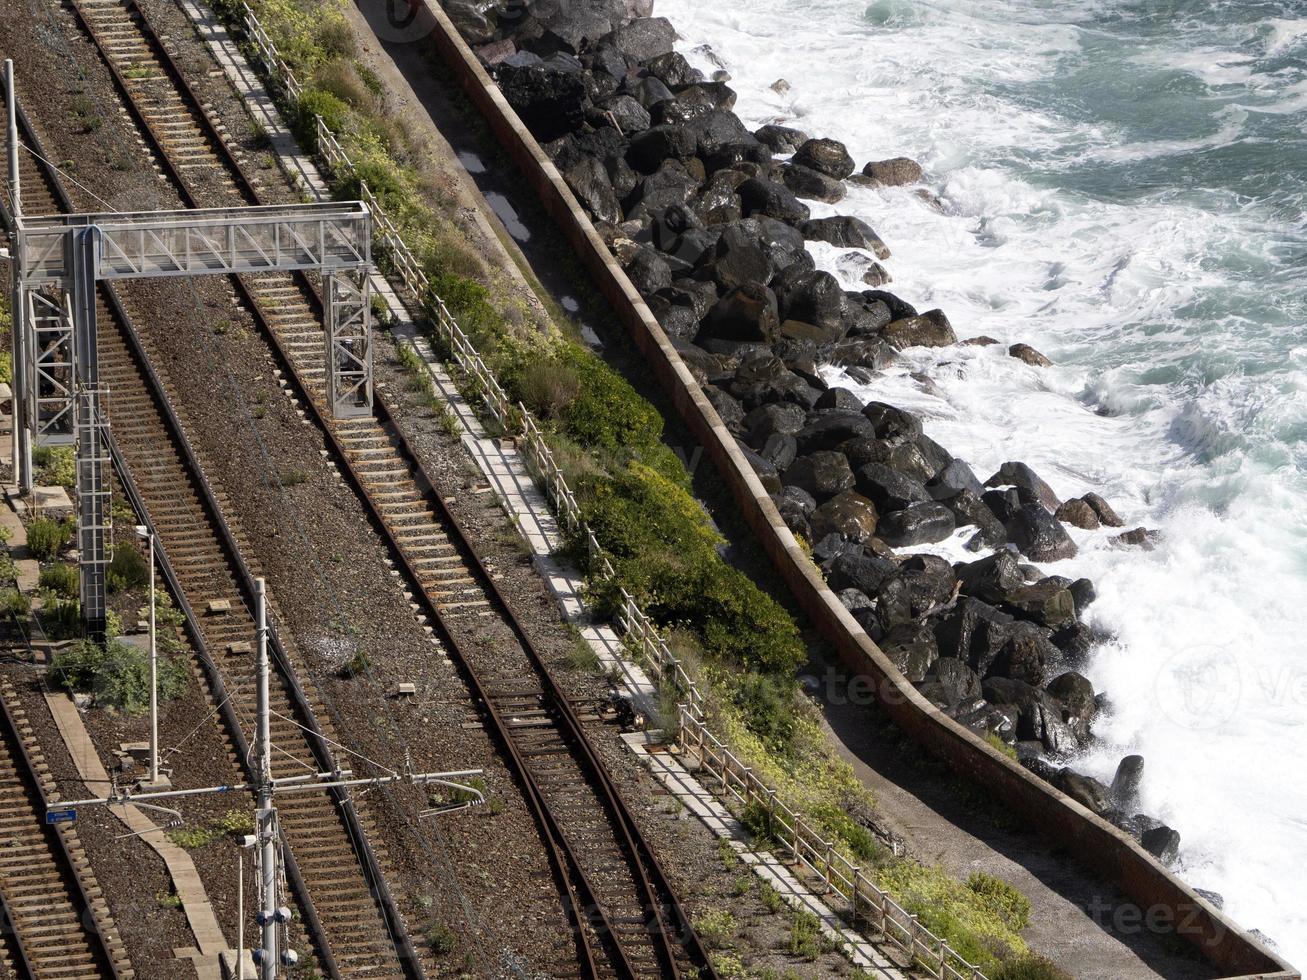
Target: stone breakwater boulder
(714,232)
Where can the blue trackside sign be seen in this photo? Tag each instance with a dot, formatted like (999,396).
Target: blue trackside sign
(60,816)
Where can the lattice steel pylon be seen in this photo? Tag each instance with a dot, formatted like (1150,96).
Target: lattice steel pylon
(58,263)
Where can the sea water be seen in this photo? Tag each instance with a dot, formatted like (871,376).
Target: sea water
(1121,185)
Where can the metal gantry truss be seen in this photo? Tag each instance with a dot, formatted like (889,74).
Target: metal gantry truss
(58,264)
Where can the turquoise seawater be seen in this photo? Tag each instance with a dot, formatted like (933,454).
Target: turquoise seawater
(1121,185)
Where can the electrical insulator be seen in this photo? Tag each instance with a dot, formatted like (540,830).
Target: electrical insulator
(290,958)
(283,914)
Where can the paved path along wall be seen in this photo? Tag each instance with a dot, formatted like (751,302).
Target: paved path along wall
(1162,899)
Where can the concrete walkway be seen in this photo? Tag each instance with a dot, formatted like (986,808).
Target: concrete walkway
(185,879)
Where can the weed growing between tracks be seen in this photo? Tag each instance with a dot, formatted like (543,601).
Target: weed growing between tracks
(633,490)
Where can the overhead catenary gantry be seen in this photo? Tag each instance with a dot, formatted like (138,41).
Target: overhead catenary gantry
(58,262)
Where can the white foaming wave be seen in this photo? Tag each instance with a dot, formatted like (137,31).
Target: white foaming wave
(1214,67)
(1233,118)
(1094,285)
(1284,34)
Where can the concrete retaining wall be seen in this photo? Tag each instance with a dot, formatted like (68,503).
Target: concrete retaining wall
(1164,902)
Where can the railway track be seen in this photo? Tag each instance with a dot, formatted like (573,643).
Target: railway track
(336,873)
(60,924)
(57,922)
(628,922)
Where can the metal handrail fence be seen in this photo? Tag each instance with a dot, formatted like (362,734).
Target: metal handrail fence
(794,836)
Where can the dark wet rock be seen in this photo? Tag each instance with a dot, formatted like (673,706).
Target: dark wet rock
(651,148)
(781,139)
(1163,843)
(717,128)
(767,474)
(893,173)
(799,498)
(911,648)
(839,398)
(826,156)
(968,509)
(649,91)
(1003,504)
(1047,603)
(1125,785)
(1025,653)
(950,681)
(717,203)
(812,297)
(780,450)
(1076,695)
(590,183)
(1140,537)
(936,456)
(849,514)
(864,352)
(649,271)
(474,19)
(899,309)
(759,196)
(866,316)
(912,593)
(1079,514)
(1106,515)
(930,329)
(844,231)
(747,312)
(860,570)
(812,185)
(854,599)
(1083,592)
(974,632)
(830,429)
(740,258)
(979,715)
(628,114)
(643,39)
(673,70)
(889,489)
(893,424)
(1038,534)
(1075,641)
(823,474)
(1039,716)
(919,523)
(953,478)
(767,420)
(1024,352)
(746,155)
(992,578)
(729,408)
(551,103)
(1085,790)
(763,377)
(1021,476)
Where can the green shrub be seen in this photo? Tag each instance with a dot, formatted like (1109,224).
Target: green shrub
(441,939)
(128,569)
(1007,903)
(547,388)
(6,367)
(56,466)
(117,674)
(341,79)
(966,919)
(62,618)
(316,102)
(997,742)
(46,538)
(14,603)
(716,927)
(359,662)
(806,937)
(62,580)
(1029,967)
